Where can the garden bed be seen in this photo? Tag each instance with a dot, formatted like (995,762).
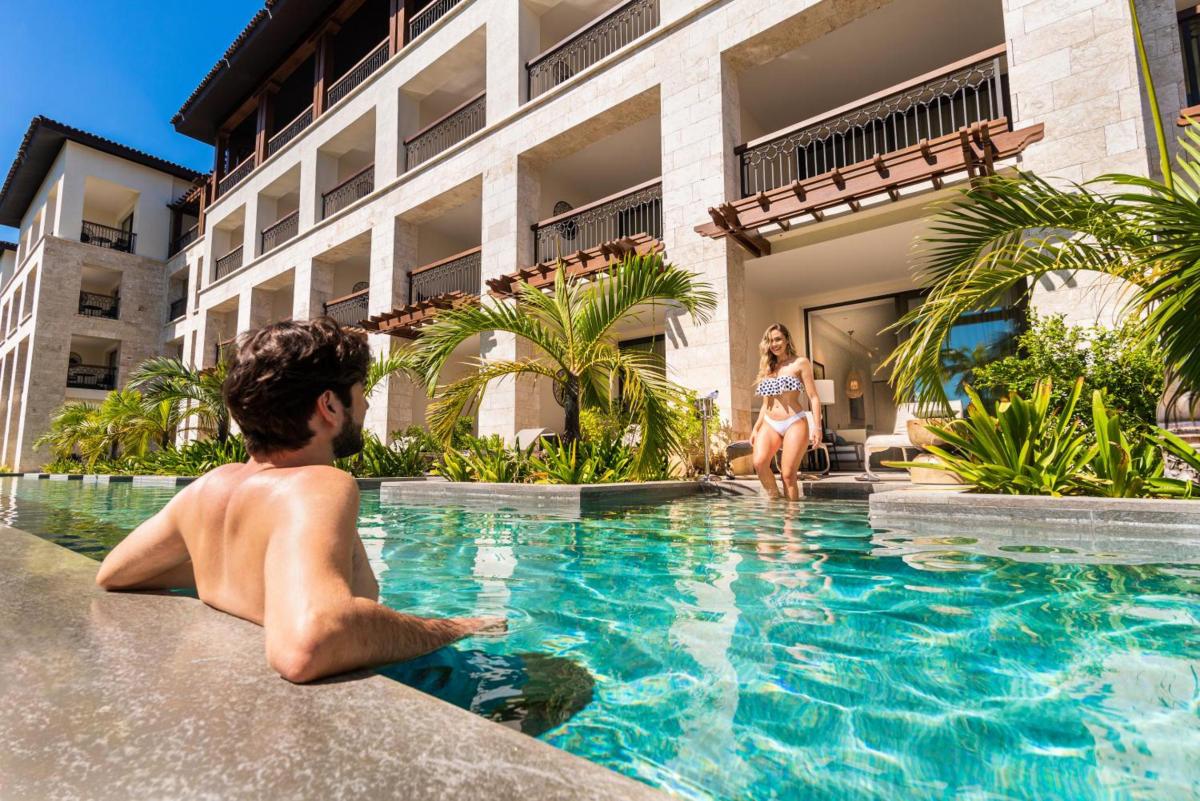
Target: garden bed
(569,499)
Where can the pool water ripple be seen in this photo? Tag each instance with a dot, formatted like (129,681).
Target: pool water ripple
(732,649)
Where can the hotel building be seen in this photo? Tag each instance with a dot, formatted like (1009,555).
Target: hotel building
(379,160)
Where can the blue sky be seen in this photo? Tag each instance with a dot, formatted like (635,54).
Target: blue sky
(117,68)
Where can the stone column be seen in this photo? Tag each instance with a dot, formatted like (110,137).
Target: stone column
(700,127)
(313,287)
(511,191)
(254,308)
(387,140)
(512,39)
(393,254)
(1074,68)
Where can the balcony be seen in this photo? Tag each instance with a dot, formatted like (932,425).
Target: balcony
(236,175)
(357,74)
(446,132)
(634,211)
(350,310)
(601,38)
(926,108)
(93,304)
(177,309)
(458,273)
(106,236)
(92,376)
(354,188)
(227,263)
(423,20)
(186,238)
(276,234)
(289,131)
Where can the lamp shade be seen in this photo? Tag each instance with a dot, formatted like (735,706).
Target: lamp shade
(854,384)
(826,391)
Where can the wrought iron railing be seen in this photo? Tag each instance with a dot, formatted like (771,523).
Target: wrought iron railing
(458,273)
(92,376)
(356,187)
(966,93)
(224,350)
(106,236)
(634,211)
(602,37)
(279,232)
(177,309)
(236,175)
(227,263)
(357,74)
(423,20)
(449,130)
(349,310)
(186,238)
(289,132)
(93,304)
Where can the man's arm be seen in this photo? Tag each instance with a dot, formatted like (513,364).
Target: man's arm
(315,626)
(152,557)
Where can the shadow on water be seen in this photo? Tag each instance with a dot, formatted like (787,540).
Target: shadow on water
(529,692)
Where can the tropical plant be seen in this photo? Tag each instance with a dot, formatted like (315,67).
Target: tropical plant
(403,361)
(571,330)
(582,462)
(486,459)
(1113,360)
(195,394)
(380,460)
(71,426)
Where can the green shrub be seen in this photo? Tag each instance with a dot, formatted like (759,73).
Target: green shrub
(485,459)
(1109,360)
(378,460)
(599,462)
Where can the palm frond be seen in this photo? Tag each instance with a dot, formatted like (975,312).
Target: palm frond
(403,361)
(462,397)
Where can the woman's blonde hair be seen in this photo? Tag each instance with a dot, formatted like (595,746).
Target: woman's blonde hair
(767,362)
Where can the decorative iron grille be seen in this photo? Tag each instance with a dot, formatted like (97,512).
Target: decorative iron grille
(356,187)
(177,309)
(456,274)
(290,131)
(236,175)
(92,376)
(279,232)
(446,132)
(638,211)
(350,310)
(92,304)
(928,110)
(603,37)
(186,238)
(423,20)
(105,236)
(357,74)
(227,263)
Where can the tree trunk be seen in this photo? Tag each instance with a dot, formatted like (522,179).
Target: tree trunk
(571,410)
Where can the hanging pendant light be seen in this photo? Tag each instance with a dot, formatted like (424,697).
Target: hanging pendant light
(855,385)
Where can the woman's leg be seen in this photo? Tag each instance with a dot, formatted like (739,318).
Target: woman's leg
(766,445)
(795,443)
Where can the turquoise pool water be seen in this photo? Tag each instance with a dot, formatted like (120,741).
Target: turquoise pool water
(731,649)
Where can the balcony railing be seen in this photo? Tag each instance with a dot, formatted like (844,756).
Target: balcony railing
(289,131)
(446,132)
(92,304)
(227,263)
(349,310)
(177,309)
(279,232)
(357,74)
(928,107)
(92,376)
(106,236)
(1189,34)
(224,350)
(585,47)
(186,238)
(635,211)
(356,187)
(423,20)
(458,273)
(236,175)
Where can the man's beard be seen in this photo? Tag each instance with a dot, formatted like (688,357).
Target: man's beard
(349,440)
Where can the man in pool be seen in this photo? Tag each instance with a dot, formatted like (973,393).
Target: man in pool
(274,540)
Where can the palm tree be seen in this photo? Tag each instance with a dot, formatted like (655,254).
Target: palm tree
(133,424)
(195,394)
(404,361)
(74,426)
(571,329)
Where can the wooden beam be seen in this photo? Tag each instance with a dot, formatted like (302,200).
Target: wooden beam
(262,123)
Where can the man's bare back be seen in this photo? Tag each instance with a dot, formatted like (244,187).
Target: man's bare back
(274,540)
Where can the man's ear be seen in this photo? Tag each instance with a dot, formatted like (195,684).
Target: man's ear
(327,405)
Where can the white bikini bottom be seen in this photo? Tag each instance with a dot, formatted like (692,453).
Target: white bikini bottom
(781,426)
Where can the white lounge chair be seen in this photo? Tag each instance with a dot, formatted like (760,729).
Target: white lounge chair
(899,436)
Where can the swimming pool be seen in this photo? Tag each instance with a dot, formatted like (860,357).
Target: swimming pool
(729,649)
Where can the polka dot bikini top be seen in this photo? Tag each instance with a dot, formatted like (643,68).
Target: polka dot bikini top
(777,385)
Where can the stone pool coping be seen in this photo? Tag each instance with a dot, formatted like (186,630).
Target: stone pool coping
(566,499)
(116,696)
(162,481)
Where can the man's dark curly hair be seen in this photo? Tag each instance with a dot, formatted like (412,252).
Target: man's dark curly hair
(279,371)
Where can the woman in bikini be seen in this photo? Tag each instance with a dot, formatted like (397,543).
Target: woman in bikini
(788,418)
